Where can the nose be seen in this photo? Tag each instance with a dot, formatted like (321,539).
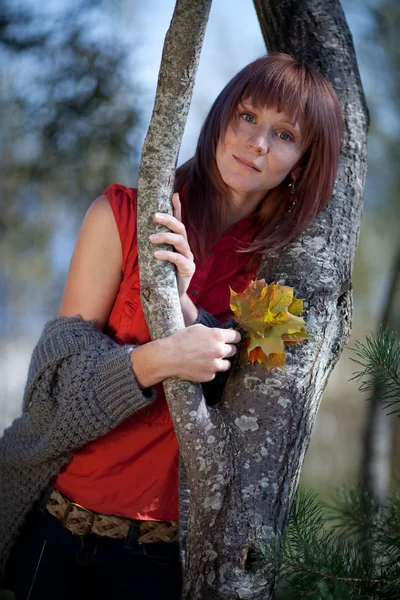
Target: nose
(258,143)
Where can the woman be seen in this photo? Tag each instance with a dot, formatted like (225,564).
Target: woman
(93,426)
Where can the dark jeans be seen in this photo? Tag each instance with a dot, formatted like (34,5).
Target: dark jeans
(76,568)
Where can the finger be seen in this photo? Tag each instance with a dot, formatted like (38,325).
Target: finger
(223,365)
(176,204)
(185,266)
(171,222)
(229,336)
(231,350)
(177,241)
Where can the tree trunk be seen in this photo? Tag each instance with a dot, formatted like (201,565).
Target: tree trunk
(243,457)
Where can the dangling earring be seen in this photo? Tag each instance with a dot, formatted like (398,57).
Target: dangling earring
(292,197)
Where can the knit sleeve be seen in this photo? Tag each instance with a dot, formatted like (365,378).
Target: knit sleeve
(80,386)
(207,319)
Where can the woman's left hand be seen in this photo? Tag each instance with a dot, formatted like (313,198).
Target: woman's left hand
(182,258)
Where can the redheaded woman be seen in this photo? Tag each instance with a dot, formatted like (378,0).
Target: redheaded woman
(89,498)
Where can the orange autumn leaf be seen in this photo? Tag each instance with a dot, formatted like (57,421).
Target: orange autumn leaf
(272,361)
(269,316)
(257,355)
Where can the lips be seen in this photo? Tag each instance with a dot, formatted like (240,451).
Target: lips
(247,163)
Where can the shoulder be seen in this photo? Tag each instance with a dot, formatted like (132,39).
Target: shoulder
(123,203)
(99,223)
(121,199)
(100,209)
(116,199)
(96,266)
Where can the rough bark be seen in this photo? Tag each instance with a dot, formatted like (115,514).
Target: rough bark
(182,47)
(376,466)
(243,457)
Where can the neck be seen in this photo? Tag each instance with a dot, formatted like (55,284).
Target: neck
(238,209)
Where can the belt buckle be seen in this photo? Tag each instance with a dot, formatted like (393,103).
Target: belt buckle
(87,528)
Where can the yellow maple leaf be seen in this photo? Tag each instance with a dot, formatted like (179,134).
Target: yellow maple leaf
(249,306)
(296,308)
(270,317)
(275,361)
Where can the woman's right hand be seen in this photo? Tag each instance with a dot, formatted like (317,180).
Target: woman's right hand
(196,353)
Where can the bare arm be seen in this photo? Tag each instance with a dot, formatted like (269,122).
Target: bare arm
(95,271)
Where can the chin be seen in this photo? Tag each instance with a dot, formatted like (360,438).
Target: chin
(238,185)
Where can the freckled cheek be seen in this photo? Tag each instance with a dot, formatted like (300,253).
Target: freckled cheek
(285,161)
(223,166)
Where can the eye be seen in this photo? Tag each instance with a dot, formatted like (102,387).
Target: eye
(285,136)
(246,117)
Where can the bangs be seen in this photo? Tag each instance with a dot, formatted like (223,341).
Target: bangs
(278,92)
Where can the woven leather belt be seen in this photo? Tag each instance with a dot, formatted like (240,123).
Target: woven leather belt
(81,521)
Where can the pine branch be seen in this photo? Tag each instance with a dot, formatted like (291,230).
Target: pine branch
(316,562)
(380,358)
(375,529)
(334,577)
(355,510)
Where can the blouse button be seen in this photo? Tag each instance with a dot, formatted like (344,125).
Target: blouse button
(194,292)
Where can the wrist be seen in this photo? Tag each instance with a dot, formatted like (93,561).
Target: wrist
(189,310)
(151,362)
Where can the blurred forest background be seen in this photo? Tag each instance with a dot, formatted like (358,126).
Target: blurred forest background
(77,87)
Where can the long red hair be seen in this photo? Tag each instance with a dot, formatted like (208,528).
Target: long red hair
(280,81)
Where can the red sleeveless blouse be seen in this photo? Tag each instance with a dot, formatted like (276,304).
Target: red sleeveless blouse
(133,470)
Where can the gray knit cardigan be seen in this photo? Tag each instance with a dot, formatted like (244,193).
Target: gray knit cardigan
(80,386)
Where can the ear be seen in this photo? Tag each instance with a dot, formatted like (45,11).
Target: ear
(295,174)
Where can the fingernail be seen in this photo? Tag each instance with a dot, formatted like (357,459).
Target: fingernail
(154,236)
(159,216)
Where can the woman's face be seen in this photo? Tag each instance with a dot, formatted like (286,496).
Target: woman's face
(258,152)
